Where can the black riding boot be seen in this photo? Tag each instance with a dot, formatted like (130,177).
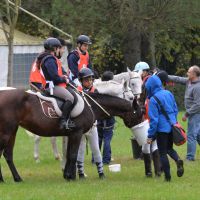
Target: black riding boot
(156,163)
(136,149)
(147,164)
(65,122)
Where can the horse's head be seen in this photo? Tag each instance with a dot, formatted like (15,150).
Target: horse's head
(135,116)
(126,92)
(135,82)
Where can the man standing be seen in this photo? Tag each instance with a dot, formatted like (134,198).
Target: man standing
(79,58)
(192,106)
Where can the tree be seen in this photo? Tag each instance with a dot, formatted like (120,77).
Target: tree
(9,15)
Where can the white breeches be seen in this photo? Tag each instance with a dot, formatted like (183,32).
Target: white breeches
(93,140)
(147,148)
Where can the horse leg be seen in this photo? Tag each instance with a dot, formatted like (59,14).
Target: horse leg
(8,154)
(55,148)
(64,151)
(1,176)
(72,151)
(37,139)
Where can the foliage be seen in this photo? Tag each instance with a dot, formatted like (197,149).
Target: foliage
(125,31)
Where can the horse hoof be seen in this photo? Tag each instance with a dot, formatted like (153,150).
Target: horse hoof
(18,180)
(68,178)
(1,181)
(58,157)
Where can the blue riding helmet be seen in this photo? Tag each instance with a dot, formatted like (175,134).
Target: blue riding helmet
(51,43)
(140,66)
(85,72)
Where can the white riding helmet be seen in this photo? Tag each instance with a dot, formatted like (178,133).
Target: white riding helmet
(140,66)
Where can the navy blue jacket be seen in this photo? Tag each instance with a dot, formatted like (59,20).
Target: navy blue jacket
(50,71)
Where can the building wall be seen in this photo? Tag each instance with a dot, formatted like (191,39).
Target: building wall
(3,65)
(23,58)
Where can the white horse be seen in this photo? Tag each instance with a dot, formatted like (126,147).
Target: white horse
(37,139)
(133,80)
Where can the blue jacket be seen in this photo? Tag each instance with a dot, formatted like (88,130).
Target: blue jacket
(158,122)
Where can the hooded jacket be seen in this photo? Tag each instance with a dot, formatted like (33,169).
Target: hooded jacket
(158,122)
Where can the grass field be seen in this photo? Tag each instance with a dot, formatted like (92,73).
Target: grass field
(44,180)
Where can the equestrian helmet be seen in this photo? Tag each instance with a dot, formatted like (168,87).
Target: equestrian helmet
(140,66)
(85,72)
(51,43)
(83,39)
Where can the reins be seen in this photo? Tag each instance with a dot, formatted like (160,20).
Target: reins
(85,94)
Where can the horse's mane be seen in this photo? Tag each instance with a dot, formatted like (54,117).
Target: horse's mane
(105,98)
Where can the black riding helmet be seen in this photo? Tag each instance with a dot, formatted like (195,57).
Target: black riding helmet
(84,73)
(51,43)
(163,75)
(83,39)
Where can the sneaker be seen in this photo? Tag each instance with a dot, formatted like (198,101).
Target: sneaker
(180,169)
(82,176)
(102,176)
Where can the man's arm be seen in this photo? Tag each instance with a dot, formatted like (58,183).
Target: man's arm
(178,79)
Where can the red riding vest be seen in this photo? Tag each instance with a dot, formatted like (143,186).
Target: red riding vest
(92,89)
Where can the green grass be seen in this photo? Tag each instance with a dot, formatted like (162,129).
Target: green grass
(44,180)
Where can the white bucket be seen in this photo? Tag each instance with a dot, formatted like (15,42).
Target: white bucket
(140,132)
(115,168)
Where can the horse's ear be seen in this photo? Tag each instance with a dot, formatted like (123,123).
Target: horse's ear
(128,70)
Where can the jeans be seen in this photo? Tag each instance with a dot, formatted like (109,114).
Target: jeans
(193,135)
(105,136)
(165,146)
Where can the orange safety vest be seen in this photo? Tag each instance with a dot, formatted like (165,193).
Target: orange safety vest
(80,89)
(60,72)
(83,60)
(146,116)
(37,76)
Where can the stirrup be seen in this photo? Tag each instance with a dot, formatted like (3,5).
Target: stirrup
(69,124)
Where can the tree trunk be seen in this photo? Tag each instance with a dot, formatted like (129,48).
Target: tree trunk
(152,49)
(10,63)
(131,46)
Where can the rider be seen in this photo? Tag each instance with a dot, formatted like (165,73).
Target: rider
(36,78)
(51,69)
(147,148)
(86,77)
(79,58)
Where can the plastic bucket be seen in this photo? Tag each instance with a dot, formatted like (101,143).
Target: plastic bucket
(140,132)
(115,168)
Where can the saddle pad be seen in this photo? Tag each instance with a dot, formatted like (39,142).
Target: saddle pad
(77,110)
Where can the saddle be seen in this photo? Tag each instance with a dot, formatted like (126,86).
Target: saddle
(52,106)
